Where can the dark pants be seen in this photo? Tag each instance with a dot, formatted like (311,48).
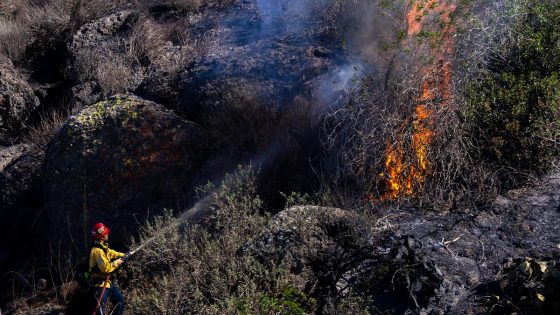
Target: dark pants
(116,297)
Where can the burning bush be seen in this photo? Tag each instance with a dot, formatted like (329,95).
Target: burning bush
(395,130)
(465,115)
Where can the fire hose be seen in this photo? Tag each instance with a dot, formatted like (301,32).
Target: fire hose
(131,253)
(102,293)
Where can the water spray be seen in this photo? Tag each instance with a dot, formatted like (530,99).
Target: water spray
(200,209)
(195,212)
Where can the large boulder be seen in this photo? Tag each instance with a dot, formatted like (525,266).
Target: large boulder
(116,162)
(300,234)
(17,102)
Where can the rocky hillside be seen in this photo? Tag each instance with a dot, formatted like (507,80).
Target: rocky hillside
(283,157)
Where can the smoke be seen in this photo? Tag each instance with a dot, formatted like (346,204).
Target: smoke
(254,20)
(338,83)
(294,47)
(370,34)
(288,16)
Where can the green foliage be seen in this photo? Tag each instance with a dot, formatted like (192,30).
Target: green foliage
(290,301)
(198,269)
(298,199)
(516,106)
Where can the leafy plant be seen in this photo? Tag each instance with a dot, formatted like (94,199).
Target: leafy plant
(515,107)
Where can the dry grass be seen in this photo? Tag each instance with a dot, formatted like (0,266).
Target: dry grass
(39,136)
(149,48)
(166,46)
(25,22)
(181,5)
(116,74)
(7,7)
(146,41)
(14,38)
(189,5)
(30,29)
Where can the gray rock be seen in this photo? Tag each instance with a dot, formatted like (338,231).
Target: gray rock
(116,162)
(20,175)
(17,102)
(83,95)
(98,32)
(298,233)
(311,243)
(161,81)
(20,197)
(98,51)
(332,253)
(9,154)
(251,48)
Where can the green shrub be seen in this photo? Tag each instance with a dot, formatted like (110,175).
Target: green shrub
(290,301)
(197,269)
(515,107)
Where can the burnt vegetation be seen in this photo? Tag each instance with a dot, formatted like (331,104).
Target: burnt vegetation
(356,162)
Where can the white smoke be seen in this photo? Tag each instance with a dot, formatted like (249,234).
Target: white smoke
(340,82)
(292,15)
(371,31)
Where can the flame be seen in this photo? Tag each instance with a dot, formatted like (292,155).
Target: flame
(405,174)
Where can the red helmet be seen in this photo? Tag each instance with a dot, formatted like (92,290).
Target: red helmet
(99,230)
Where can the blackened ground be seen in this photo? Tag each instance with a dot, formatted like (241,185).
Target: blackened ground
(470,244)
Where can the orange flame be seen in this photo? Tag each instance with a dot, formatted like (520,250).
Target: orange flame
(405,174)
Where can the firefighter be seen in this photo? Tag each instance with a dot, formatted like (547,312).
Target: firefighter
(102,262)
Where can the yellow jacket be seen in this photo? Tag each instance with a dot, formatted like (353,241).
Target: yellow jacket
(101,263)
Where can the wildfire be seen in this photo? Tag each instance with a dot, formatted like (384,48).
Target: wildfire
(406,173)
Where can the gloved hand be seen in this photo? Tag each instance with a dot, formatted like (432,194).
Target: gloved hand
(119,262)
